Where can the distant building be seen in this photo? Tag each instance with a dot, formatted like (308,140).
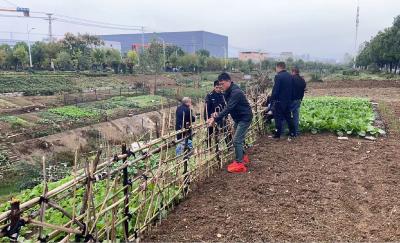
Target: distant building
(113,44)
(189,41)
(11,42)
(284,56)
(254,56)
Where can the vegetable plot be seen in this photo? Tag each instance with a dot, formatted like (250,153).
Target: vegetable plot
(351,116)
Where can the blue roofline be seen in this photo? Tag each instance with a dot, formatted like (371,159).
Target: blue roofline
(172,32)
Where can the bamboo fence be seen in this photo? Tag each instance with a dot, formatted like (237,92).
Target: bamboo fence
(120,197)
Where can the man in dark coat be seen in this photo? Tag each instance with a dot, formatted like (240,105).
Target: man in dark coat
(215,102)
(239,108)
(282,98)
(299,87)
(184,119)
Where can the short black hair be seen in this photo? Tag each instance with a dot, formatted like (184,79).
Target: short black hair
(281,65)
(224,77)
(216,83)
(296,70)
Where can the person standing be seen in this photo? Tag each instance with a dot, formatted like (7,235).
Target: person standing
(239,108)
(184,119)
(282,98)
(215,102)
(299,87)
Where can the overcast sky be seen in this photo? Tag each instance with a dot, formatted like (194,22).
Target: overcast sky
(321,28)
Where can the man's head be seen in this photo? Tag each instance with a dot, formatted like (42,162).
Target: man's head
(217,87)
(295,71)
(187,101)
(225,81)
(280,66)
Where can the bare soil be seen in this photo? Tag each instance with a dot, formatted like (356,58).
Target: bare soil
(316,188)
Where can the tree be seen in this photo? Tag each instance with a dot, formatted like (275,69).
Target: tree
(64,61)
(52,51)
(383,50)
(188,62)
(3,58)
(203,52)
(155,56)
(215,64)
(131,60)
(79,47)
(173,51)
(155,59)
(113,59)
(98,57)
(39,55)
(20,55)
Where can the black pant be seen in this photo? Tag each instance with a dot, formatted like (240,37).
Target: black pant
(282,113)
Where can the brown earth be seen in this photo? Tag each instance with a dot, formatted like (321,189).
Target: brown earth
(316,188)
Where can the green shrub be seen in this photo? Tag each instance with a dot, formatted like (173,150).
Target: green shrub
(351,72)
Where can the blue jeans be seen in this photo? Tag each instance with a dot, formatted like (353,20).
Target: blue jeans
(180,147)
(295,109)
(239,138)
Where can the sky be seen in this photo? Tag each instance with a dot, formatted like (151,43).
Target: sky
(320,28)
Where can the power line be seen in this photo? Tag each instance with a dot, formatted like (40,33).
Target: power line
(97,22)
(92,25)
(10,3)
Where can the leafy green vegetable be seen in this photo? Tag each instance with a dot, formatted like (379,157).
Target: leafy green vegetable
(351,116)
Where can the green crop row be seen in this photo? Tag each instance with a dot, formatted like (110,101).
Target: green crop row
(351,116)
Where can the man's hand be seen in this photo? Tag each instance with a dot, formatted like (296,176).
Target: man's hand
(214,115)
(210,122)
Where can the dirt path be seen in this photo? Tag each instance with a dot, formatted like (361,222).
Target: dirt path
(305,190)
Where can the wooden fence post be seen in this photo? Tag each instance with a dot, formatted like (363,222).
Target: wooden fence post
(126,194)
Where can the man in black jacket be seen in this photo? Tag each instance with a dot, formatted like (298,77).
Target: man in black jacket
(282,98)
(299,86)
(239,109)
(215,102)
(184,119)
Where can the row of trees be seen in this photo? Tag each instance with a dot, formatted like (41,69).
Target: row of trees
(73,52)
(382,52)
(87,52)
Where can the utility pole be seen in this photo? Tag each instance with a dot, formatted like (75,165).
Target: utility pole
(29,45)
(50,27)
(142,39)
(356,37)
(225,56)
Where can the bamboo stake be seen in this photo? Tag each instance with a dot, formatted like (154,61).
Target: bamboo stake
(44,199)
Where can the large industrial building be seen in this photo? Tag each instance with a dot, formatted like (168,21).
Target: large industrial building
(189,41)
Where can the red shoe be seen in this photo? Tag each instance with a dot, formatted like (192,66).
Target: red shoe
(236,167)
(246,159)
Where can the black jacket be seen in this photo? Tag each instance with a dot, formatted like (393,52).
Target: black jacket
(215,102)
(237,105)
(299,86)
(283,88)
(184,119)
